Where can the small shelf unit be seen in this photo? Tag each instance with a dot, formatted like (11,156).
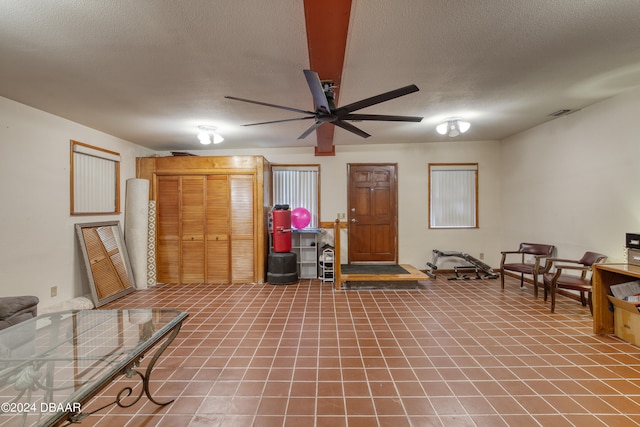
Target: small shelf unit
(305,245)
(326,265)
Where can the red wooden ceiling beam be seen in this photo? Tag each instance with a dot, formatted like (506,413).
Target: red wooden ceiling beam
(327,24)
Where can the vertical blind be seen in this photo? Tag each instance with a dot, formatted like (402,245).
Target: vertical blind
(453,195)
(95,180)
(297,186)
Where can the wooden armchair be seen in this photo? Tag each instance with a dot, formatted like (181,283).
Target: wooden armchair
(524,265)
(559,279)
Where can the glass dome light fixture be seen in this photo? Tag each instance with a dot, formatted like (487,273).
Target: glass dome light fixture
(206,133)
(453,127)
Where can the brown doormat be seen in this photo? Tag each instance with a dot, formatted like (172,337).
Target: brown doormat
(384,285)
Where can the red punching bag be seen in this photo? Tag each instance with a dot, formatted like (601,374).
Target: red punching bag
(281,229)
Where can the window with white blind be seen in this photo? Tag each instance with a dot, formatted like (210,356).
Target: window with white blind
(95,180)
(453,195)
(298,187)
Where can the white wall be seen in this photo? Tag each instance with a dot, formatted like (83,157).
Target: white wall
(574,181)
(416,241)
(38,248)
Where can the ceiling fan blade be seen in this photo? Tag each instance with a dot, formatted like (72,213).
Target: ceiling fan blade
(270,105)
(381,117)
(315,85)
(280,121)
(377,99)
(351,128)
(313,127)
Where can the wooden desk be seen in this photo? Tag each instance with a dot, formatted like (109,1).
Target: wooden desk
(605,275)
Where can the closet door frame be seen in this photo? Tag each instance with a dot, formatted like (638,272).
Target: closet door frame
(257,166)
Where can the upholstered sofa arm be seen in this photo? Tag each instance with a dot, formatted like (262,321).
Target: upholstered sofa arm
(14,310)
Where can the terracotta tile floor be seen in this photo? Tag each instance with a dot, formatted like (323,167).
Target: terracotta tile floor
(457,353)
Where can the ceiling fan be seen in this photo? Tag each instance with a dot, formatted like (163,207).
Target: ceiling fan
(327,112)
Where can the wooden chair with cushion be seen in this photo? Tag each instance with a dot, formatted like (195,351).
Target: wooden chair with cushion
(528,260)
(559,279)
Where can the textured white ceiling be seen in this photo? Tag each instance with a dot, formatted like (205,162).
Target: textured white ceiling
(150,71)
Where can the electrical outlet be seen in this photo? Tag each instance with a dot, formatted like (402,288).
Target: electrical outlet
(342,215)
(54,291)
(481,255)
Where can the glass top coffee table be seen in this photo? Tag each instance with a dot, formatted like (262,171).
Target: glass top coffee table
(53,364)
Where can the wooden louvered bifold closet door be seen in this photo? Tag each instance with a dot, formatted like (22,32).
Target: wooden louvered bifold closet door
(192,256)
(230,228)
(206,228)
(218,229)
(242,228)
(168,229)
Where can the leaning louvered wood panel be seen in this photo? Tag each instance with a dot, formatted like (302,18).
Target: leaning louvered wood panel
(168,229)
(192,221)
(218,229)
(242,228)
(102,250)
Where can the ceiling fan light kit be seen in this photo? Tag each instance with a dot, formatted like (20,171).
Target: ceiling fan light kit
(206,133)
(453,127)
(326,111)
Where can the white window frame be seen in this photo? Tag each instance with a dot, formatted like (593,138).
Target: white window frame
(453,195)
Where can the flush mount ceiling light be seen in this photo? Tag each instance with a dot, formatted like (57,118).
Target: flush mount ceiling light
(453,127)
(206,133)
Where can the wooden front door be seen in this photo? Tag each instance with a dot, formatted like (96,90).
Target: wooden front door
(372,212)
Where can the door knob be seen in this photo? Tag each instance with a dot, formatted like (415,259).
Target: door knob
(354,220)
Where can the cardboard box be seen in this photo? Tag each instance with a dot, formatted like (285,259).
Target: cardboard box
(626,320)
